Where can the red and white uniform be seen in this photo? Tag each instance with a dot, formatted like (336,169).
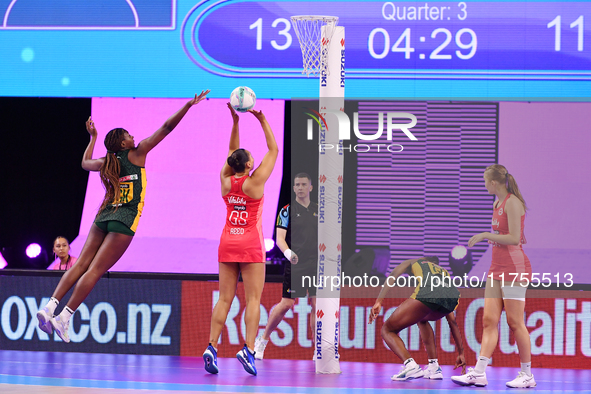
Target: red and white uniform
(508,259)
(242,238)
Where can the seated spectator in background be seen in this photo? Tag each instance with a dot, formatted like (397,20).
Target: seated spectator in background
(61,250)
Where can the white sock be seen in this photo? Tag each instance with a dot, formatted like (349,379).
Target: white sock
(526,368)
(66,314)
(52,304)
(250,350)
(410,363)
(481,365)
(433,361)
(264,341)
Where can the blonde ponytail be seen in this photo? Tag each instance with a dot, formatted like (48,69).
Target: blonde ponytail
(499,173)
(514,189)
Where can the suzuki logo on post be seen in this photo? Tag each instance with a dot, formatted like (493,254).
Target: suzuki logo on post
(324,54)
(340,179)
(319,314)
(322,178)
(322,247)
(343,64)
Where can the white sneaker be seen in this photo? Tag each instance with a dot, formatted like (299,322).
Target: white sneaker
(43,316)
(259,347)
(61,328)
(433,372)
(471,378)
(407,372)
(522,381)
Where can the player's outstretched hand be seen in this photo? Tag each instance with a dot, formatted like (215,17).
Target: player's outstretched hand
(90,128)
(235,116)
(294,258)
(375,311)
(199,98)
(461,362)
(258,114)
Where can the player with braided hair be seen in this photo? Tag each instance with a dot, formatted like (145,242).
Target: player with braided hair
(123,175)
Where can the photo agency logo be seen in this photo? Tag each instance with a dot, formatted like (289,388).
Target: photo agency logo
(395,122)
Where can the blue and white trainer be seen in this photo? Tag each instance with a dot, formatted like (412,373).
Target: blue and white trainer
(246,358)
(210,357)
(408,372)
(43,316)
(433,372)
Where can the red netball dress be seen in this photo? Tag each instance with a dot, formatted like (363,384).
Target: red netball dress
(242,238)
(508,259)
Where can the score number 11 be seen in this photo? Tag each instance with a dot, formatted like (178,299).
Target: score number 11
(556,24)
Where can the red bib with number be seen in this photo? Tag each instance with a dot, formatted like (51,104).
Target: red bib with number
(242,238)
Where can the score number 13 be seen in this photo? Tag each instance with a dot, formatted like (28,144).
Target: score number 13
(285,32)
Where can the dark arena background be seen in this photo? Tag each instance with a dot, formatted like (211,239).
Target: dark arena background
(487,82)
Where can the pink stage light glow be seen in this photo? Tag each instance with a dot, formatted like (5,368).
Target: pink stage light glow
(184,212)
(33,250)
(269,244)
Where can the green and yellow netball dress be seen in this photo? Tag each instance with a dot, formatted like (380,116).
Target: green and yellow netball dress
(132,184)
(443,293)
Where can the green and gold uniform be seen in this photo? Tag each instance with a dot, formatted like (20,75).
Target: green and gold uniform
(438,294)
(132,184)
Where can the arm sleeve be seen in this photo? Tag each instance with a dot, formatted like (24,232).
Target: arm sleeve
(283,218)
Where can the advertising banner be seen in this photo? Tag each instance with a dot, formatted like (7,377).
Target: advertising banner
(131,316)
(126,316)
(560,329)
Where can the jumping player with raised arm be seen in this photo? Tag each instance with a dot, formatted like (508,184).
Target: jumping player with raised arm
(123,175)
